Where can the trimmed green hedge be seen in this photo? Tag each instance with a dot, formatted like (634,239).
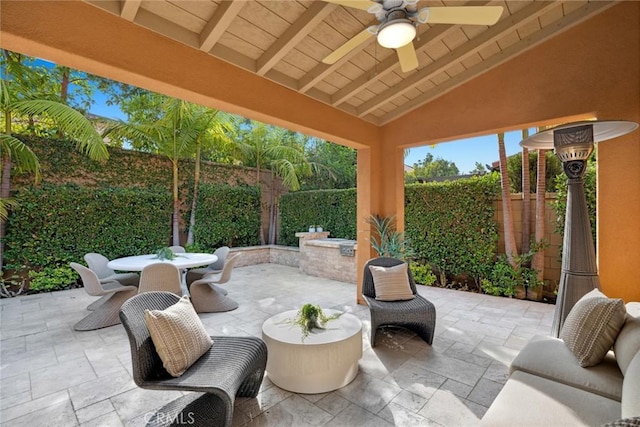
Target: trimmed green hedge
(451,225)
(227,216)
(334,210)
(53,225)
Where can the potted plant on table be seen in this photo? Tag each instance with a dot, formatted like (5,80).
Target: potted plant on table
(311,317)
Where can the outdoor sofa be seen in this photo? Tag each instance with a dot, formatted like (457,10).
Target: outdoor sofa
(548,387)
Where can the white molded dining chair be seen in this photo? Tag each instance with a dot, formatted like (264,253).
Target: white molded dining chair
(161,276)
(98,264)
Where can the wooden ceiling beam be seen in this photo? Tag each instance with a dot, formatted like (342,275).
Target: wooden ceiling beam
(320,71)
(460,53)
(219,22)
(572,19)
(129,9)
(433,35)
(292,36)
(428,38)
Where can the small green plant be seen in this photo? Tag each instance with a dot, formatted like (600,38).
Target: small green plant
(311,317)
(422,274)
(504,278)
(52,278)
(389,242)
(166,253)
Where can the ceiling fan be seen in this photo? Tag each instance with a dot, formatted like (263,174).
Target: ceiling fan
(398,22)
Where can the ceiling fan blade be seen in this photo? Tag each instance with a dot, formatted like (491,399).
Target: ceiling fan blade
(351,44)
(462,15)
(407,57)
(356,4)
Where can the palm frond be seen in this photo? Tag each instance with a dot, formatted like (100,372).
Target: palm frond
(21,155)
(70,122)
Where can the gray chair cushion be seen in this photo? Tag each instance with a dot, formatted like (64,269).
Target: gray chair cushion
(627,344)
(631,389)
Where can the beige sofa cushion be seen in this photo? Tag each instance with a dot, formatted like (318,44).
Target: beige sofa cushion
(550,358)
(627,344)
(529,400)
(631,389)
(592,326)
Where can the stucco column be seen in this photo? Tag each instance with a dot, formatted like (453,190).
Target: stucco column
(380,192)
(618,219)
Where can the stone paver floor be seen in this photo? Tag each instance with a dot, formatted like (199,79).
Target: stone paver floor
(51,375)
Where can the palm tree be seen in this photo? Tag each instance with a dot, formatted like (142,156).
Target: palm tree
(526,197)
(509,235)
(212,127)
(282,152)
(173,135)
(537,263)
(18,101)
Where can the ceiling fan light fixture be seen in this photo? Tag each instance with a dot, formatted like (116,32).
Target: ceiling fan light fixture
(396,34)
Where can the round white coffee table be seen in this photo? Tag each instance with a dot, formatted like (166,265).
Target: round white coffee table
(327,359)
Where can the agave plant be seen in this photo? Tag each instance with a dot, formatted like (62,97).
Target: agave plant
(389,242)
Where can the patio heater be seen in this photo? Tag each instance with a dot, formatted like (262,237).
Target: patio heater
(573,143)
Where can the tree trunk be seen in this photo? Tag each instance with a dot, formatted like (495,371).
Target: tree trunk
(176,206)
(526,197)
(537,262)
(64,91)
(272,210)
(510,247)
(258,183)
(194,201)
(5,185)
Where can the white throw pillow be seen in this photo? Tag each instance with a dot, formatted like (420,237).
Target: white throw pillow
(178,335)
(391,283)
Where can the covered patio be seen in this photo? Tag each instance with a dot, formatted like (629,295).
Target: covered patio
(543,63)
(51,375)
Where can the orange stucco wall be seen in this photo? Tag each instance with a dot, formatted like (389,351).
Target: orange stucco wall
(592,69)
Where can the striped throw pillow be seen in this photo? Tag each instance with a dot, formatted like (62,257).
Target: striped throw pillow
(391,283)
(178,335)
(592,327)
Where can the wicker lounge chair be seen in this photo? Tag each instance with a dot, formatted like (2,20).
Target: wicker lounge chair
(233,366)
(216,267)
(98,263)
(105,310)
(207,297)
(418,314)
(160,276)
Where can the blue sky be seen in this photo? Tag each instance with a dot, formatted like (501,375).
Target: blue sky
(466,152)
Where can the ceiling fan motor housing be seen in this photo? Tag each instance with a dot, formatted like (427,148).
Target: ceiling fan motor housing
(396,30)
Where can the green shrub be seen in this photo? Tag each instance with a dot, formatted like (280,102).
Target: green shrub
(452,226)
(52,278)
(227,216)
(422,274)
(334,210)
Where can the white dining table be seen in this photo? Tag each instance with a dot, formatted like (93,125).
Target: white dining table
(181,260)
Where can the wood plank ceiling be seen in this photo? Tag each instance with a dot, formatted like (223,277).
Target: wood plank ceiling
(285,41)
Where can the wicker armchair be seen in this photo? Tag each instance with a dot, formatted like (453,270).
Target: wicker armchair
(418,314)
(234,366)
(104,311)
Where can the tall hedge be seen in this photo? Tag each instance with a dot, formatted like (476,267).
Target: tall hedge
(227,216)
(333,210)
(452,224)
(53,225)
